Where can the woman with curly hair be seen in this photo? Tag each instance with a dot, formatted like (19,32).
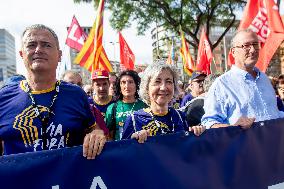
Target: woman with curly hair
(127,87)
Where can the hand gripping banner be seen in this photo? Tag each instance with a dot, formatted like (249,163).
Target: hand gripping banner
(228,158)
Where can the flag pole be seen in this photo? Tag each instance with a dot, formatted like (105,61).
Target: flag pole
(225,53)
(214,62)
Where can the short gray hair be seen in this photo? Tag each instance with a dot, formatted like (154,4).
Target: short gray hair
(209,80)
(247,30)
(71,72)
(41,27)
(152,71)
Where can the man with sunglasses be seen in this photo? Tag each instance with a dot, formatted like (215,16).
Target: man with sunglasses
(195,86)
(244,94)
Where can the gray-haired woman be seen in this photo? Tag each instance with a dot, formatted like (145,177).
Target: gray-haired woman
(157,88)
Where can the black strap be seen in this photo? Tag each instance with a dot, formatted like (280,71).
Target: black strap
(113,120)
(44,119)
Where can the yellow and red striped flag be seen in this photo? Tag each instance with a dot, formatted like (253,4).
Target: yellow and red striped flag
(92,55)
(171,55)
(188,64)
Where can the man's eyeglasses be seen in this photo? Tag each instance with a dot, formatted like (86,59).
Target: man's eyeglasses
(280,88)
(248,46)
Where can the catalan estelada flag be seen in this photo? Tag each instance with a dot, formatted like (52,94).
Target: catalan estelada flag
(92,55)
(188,64)
(171,56)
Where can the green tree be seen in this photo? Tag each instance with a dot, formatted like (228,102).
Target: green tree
(190,15)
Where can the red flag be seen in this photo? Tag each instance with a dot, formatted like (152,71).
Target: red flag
(76,36)
(231,59)
(262,17)
(204,56)
(127,57)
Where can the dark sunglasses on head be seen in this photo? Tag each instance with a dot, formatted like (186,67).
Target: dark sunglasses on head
(198,80)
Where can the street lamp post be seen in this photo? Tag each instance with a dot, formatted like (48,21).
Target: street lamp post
(114,58)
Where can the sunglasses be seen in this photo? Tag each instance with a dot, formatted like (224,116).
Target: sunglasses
(198,80)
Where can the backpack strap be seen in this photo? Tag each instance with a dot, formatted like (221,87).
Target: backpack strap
(133,122)
(179,115)
(113,119)
(183,109)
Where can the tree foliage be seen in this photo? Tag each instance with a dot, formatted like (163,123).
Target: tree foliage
(190,15)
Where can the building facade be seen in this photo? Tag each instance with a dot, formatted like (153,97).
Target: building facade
(276,65)
(162,43)
(220,53)
(7,56)
(86,75)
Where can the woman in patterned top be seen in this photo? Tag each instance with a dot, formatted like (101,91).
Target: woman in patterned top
(158,87)
(127,87)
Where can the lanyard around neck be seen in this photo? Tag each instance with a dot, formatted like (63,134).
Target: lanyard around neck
(157,123)
(43,118)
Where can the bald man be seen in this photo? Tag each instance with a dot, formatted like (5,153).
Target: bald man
(244,94)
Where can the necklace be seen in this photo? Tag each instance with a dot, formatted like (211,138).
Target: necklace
(125,113)
(131,110)
(157,123)
(133,106)
(43,118)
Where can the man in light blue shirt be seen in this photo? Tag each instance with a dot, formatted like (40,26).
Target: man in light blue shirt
(243,94)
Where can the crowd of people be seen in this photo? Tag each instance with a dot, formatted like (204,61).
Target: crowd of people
(40,112)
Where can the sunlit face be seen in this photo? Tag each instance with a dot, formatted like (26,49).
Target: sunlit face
(127,86)
(161,88)
(101,87)
(39,51)
(246,50)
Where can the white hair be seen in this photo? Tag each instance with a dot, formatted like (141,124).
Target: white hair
(152,71)
(235,37)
